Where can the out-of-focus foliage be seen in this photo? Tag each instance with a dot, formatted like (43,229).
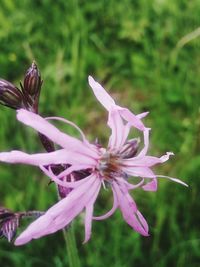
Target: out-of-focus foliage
(136,49)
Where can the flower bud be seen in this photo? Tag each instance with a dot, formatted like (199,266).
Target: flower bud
(10,95)
(32,80)
(9,223)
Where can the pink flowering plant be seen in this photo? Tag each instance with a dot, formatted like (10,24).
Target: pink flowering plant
(79,168)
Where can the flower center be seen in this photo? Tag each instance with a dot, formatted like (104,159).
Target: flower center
(109,166)
(111,162)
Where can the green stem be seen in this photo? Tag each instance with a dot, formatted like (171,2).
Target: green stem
(72,251)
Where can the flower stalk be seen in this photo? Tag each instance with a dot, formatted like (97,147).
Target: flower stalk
(72,251)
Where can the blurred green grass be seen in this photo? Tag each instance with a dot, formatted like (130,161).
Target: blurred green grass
(132,48)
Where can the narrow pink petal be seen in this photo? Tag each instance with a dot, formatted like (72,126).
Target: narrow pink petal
(33,159)
(68,214)
(144,172)
(151,186)
(73,196)
(61,214)
(142,115)
(133,186)
(110,212)
(133,119)
(146,161)
(176,180)
(88,221)
(35,227)
(88,198)
(74,208)
(60,182)
(131,215)
(43,126)
(89,213)
(86,142)
(119,130)
(143,152)
(143,221)
(62,156)
(126,131)
(166,157)
(124,197)
(103,97)
(73,168)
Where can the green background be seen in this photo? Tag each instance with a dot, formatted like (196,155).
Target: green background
(147,54)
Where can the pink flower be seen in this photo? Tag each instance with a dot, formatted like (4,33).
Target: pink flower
(111,167)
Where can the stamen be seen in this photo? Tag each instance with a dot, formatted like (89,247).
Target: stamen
(130,149)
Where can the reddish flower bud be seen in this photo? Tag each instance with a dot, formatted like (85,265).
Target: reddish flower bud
(9,223)
(32,81)
(10,95)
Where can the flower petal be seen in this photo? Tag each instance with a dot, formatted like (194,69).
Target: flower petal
(60,182)
(119,130)
(110,212)
(142,115)
(89,213)
(146,161)
(134,186)
(44,127)
(143,221)
(144,172)
(104,98)
(62,213)
(88,221)
(143,152)
(176,180)
(133,119)
(151,186)
(129,211)
(73,168)
(62,156)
